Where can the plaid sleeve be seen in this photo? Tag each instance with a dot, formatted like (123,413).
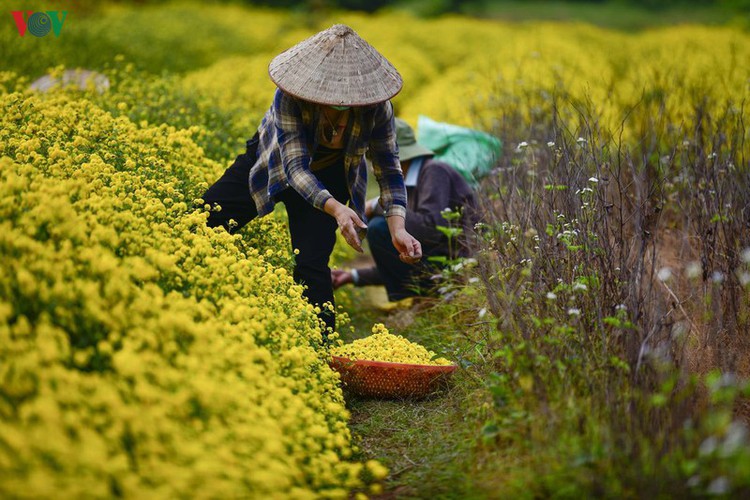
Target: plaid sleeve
(292,140)
(385,164)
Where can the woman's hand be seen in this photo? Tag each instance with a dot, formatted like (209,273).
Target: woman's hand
(409,249)
(348,221)
(339,278)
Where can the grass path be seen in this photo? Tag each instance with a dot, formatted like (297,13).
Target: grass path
(427,445)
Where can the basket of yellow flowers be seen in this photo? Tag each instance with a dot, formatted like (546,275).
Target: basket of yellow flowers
(384,365)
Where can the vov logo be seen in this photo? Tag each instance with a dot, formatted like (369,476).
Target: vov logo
(39,24)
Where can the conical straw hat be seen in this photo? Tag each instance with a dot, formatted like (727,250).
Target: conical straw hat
(336,67)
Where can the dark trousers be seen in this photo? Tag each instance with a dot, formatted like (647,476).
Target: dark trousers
(401,280)
(312,231)
(232,192)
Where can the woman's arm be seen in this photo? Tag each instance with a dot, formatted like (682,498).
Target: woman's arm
(385,164)
(292,138)
(388,172)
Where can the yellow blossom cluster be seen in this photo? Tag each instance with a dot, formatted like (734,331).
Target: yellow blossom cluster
(143,354)
(384,346)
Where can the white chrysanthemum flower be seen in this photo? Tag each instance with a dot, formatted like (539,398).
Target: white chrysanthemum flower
(664,274)
(693,270)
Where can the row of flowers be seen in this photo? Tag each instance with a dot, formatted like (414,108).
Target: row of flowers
(143,354)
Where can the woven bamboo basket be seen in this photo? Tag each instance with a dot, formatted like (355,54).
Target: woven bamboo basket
(378,379)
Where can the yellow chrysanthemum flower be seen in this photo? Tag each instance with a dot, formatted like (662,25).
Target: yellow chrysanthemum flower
(384,346)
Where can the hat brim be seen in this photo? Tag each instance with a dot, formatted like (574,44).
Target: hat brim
(406,153)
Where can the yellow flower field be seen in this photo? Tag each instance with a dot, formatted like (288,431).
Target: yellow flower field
(474,73)
(145,355)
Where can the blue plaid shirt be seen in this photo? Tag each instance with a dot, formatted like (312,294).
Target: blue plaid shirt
(287,138)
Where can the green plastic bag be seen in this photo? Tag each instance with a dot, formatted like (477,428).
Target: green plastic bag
(471,152)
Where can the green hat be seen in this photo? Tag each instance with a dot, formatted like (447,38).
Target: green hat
(408,147)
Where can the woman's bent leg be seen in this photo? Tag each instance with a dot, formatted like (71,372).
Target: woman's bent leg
(313,233)
(232,193)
